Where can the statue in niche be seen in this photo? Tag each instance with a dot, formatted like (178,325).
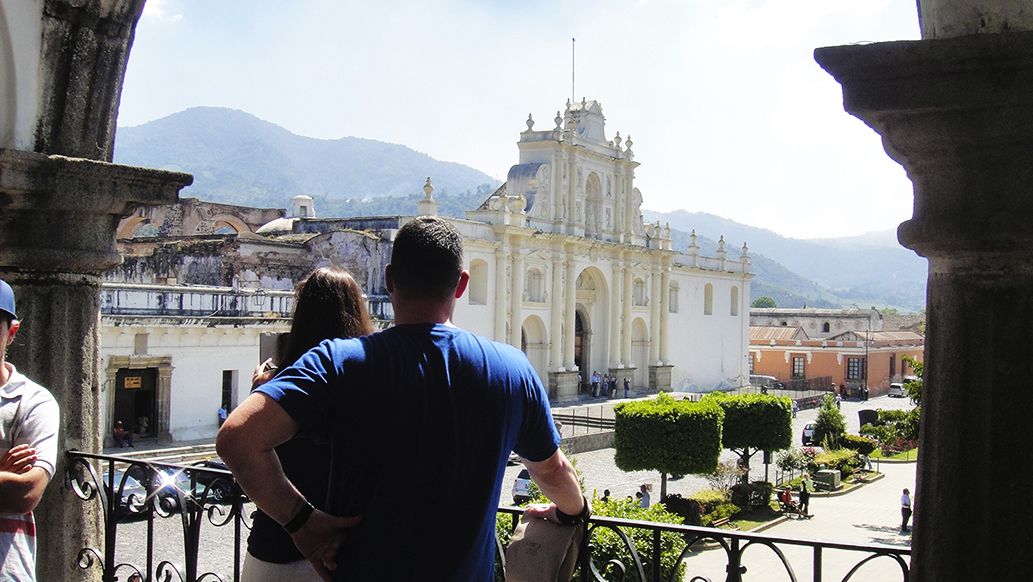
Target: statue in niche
(609,220)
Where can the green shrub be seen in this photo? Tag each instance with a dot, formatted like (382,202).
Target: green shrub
(752,495)
(846,460)
(689,510)
(862,444)
(709,499)
(890,416)
(791,460)
(607,545)
(720,512)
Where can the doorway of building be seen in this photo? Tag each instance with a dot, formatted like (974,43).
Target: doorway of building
(135,401)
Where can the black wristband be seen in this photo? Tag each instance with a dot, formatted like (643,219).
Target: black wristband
(578,519)
(299,518)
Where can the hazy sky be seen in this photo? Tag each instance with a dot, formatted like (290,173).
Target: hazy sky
(728,111)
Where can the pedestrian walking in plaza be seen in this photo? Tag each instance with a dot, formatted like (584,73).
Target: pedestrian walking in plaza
(644,499)
(806,488)
(905,511)
(796,408)
(627,386)
(595,384)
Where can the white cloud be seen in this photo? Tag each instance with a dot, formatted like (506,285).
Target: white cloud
(158,10)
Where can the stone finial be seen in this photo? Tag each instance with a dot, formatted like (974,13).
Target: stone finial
(568,104)
(584,103)
(693,247)
(530,122)
(617,139)
(628,143)
(745,252)
(667,230)
(721,244)
(428,206)
(559,121)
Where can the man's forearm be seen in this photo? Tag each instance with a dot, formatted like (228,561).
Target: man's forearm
(558,481)
(245,443)
(21,493)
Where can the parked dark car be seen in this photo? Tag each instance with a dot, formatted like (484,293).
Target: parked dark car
(808,434)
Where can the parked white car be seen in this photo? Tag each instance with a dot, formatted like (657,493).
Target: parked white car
(896,390)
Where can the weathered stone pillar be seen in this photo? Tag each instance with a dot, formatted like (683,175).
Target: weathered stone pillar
(501,290)
(570,305)
(556,313)
(62,63)
(57,234)
(626,355)
(654,315)
(516,320)
(958,115)
(615,314)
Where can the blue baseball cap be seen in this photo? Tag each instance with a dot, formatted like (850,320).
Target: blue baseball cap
(7,299)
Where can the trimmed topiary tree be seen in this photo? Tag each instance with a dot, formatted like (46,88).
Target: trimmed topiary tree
(754,422)
(668,435)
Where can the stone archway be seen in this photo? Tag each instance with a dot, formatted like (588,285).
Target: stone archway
(592,306)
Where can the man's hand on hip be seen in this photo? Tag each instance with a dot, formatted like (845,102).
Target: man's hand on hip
(321,538)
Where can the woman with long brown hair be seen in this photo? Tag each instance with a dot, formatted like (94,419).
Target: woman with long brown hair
(328,304)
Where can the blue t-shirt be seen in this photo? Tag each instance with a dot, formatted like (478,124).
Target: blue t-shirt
(420,419)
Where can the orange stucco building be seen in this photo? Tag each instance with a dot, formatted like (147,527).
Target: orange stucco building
(788,354)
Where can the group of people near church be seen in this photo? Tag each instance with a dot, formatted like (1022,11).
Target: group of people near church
(606,385)
(332,481)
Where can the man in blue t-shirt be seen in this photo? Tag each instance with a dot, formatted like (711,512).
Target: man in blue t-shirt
(421,419)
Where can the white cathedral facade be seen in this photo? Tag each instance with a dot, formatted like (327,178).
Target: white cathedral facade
(561,266)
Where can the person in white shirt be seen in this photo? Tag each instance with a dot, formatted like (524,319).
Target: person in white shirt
(29,420)
(905,511)
(644,500)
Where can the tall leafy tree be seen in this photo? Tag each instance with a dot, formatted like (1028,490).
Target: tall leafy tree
(754,422)
(668,435)
(830,426)
(763,301)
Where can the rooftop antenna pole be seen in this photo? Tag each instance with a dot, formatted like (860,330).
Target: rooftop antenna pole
(572,39)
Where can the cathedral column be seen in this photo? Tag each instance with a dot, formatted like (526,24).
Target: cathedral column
(501,290)
(517,298)
(957,113)
(626,328)
(665,295)
(615,314)
(556,313)
(654,315)
(569,309)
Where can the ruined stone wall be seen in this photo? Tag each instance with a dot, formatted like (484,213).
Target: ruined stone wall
(365,255)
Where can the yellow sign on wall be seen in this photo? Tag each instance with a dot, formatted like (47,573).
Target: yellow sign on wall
(132,382)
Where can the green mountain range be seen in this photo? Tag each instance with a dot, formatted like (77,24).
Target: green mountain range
(238,158)
(866,270)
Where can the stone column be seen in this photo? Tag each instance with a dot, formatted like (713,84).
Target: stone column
(626,354)
(615,314)
(654,315)
(556,314)
(57,234)
(569,307)
(958,115)
(665,296)
(516,296)
(501,290)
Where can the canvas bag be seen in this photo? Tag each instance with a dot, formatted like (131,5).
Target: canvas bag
(542,551)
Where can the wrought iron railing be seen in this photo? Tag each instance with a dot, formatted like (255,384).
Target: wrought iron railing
(139,500)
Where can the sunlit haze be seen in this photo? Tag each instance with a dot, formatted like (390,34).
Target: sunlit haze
(728,111)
